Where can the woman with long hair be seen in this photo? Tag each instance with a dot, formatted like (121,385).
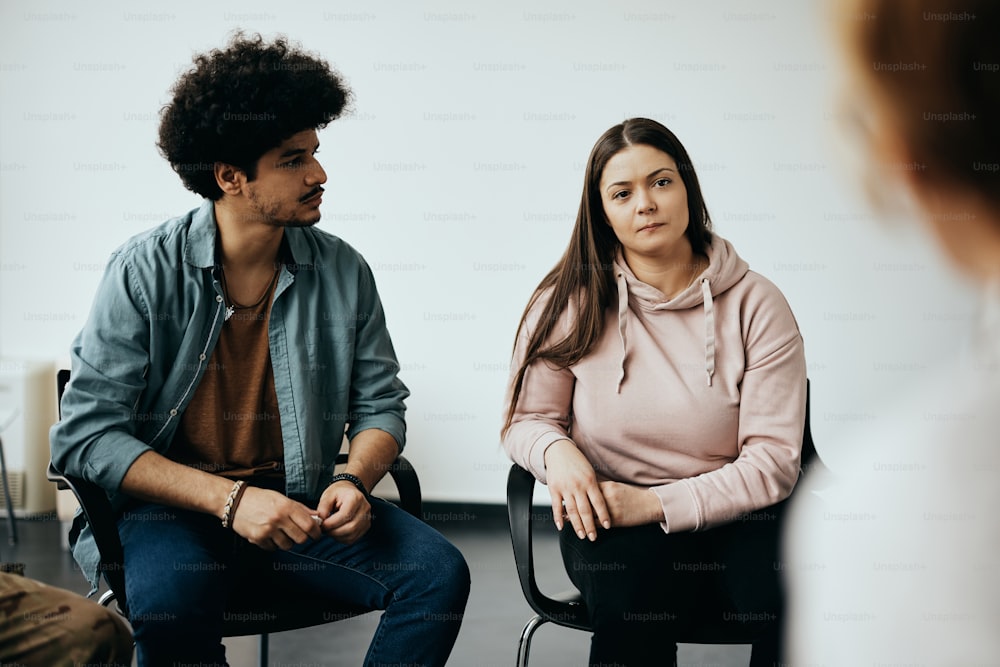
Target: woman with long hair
(658,388)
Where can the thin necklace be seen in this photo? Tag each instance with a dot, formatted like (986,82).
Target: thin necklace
(232,306)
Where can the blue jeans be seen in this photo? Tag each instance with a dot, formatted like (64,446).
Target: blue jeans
(180,566)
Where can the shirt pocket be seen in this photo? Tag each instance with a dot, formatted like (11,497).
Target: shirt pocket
(329,359)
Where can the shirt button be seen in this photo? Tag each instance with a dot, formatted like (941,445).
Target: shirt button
(173,413)
(201,357)
(218,298)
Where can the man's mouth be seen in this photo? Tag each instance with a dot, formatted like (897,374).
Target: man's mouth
(316,192)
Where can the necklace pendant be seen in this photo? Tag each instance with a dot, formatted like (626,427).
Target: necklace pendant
(229,312)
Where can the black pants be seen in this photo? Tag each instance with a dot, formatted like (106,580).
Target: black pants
(646,589)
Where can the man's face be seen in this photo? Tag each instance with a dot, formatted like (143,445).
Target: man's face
(288,188)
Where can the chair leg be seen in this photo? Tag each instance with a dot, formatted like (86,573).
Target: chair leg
(110,600)
(524,645)
(262,643)
(11,517)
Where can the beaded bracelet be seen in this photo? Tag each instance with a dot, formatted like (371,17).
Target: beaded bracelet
(348,477)
(232,501)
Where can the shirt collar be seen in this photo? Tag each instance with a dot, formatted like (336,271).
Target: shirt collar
(200,248)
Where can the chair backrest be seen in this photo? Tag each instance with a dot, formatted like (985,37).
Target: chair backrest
(62,379)
(810,459)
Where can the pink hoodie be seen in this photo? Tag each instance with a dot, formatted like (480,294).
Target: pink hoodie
(701,397)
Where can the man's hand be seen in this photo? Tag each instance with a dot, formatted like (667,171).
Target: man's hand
(576,496)
(271,520)
(631,505)
(344,512)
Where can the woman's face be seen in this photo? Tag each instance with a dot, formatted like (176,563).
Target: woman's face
(646,204)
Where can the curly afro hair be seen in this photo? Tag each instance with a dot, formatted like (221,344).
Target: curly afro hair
(236,104)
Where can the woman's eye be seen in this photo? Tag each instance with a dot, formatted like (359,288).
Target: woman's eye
(621,194)
(662,182)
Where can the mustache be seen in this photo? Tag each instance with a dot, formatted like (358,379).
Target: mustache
(312,193)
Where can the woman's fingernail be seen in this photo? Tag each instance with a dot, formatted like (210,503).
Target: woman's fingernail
(581,534)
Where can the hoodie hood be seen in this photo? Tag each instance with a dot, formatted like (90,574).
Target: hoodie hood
(725,269)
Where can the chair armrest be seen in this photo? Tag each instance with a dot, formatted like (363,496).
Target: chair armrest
(407,484)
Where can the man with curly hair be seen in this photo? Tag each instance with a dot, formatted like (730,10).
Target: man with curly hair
(226,353)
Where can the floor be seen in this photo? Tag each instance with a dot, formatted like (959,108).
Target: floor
(494,617)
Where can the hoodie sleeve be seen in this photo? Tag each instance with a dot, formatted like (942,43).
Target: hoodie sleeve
(771,424)
(542,414)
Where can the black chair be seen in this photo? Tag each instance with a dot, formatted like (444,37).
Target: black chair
(11,517)
(258,610)
(568,608)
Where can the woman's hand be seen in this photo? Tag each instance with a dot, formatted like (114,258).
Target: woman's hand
(631,505)
(576,495)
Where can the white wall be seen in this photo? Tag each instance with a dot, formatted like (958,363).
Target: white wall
(459,175)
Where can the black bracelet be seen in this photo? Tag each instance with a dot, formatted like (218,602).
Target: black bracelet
(348,477)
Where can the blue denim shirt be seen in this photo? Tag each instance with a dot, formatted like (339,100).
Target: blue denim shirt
(155,320)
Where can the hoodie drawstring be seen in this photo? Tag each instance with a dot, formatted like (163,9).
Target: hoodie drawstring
(706,293)
(709,308)
(622,319)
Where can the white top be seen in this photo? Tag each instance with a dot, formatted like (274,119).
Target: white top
(892,560)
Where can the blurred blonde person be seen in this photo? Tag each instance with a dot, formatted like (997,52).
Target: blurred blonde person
(894,560)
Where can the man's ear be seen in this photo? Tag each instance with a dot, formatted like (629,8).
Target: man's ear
(230,179)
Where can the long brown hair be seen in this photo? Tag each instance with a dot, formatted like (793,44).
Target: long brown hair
(584,273)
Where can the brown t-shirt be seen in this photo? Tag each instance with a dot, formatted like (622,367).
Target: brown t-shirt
(232,424)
